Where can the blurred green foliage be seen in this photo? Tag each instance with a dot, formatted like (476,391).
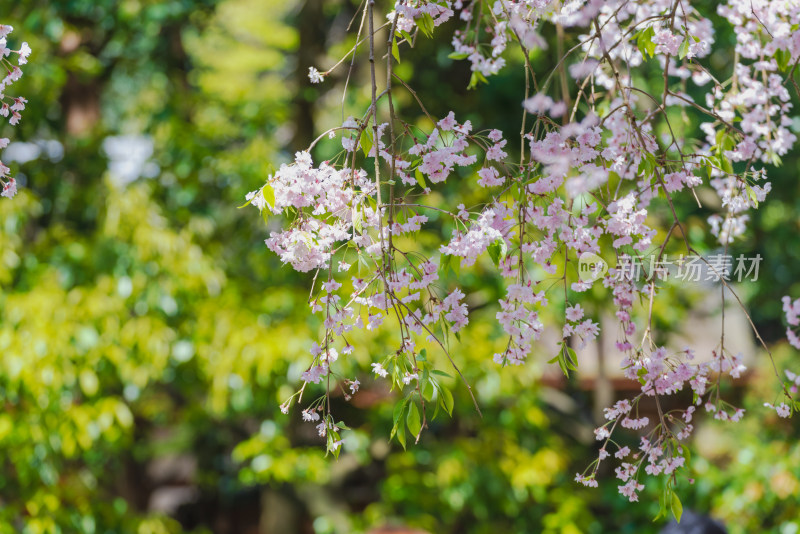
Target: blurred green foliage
(147,322)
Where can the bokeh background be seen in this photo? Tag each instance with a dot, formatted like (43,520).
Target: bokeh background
(147,336)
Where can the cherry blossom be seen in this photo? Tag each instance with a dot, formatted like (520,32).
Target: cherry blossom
(602,159)
(315,76)
(10,107)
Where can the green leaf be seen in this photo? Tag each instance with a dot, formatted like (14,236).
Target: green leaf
(366,141)
(427,391)
(425,23)
(726,165)
(719,136)
(563,364)
(566,359)
(401,435)
(726,141)
(449,263)
(677,507)
(362,262)
(640,42)
(661,513)
(640,375)
(438,405)
(662,505)
(645,43)
(458,55)
(783,57)
(398,411)
(647,165)
(269,195)
(399,428)
(414,420)
(395,50)
(498,250)
(446,400)
(397,382)
(420,178)
(494,252)
(651,46)
(752,195)
(444,264)
(358,221)
(572,359)
(475,79)
(683,49)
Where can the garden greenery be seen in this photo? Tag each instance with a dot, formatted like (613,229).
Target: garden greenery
(600,157)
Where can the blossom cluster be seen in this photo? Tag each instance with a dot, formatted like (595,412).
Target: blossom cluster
(10,107)
(601,156)
(339,230)
(792,311)
(661,449)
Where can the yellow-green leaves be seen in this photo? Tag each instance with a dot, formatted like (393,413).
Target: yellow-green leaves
(414,420)
(683,50)
(783,57)
(89,382)
(644,41)
(269,195)
(458,55)
(475,79)
(420,178)
(446,399)
(425,23)
(566,358)
(676,507)
(366,141)
(498,250)
(399,427)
